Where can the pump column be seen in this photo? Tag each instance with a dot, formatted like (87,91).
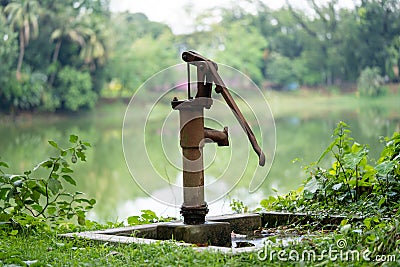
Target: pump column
(191,116)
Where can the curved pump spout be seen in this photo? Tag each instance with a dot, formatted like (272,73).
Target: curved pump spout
(210,74)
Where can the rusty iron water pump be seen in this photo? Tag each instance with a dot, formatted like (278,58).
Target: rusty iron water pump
(193,134)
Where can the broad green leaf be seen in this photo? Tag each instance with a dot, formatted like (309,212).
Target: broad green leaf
(81,218)
(14,232)
(312,186)
(66,170)
(337,186)
(51,210)
(367,222)
(69,179)
(3,164)
(40,190)
(351,160)
(81,155)
(327,150)
(37,208)
(47,164)
(54,185)
(53,144)
(73,138)
(86,144)
(3,193)
(385,167)
(133,220)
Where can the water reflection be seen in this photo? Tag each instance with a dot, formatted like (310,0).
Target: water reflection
(106,177)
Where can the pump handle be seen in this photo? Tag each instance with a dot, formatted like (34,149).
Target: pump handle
(193,57)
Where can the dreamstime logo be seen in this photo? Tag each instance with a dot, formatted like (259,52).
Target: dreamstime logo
(338,253)
(150,136)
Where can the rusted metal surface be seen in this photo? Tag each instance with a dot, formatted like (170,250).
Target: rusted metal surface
(193,134)
(213,76)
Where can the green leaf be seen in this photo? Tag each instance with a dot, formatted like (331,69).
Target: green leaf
(40,190)
(133,220)
(69,179)
(35,196)
(37,207)
(312,186)
(92,201)
(53,144)
(66,170)
(46,164)
(73,138)
(351,160)
(54,185)
(81,218)
(385,167)
(327,150)
(14,232)
(81,155)
(3,164)
(381,201)
(3,193)
(86,144)
(51,210)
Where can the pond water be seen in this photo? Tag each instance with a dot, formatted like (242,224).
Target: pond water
(302,132)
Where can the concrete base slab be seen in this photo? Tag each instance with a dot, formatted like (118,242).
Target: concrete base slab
(242,223)
(209,233)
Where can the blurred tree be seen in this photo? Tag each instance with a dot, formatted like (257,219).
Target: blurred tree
(67,27)
(23,15)
(246,55)
(8,57)
(139,48)
(370,83)
(379,27)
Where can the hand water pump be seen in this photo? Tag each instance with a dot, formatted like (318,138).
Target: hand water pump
(193,134)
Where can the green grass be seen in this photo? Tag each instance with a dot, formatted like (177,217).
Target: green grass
(49,250)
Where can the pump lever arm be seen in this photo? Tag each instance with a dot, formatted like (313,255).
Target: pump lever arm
(221,88)
(192,57)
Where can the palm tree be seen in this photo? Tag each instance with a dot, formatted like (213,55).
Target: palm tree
(23,15)
(70,28)
(94,50)
(78,29)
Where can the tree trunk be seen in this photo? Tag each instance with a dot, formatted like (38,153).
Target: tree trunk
(54,60)
(21,53)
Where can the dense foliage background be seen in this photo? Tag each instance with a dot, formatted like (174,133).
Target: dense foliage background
(63,55)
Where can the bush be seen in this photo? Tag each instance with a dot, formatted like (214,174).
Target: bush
(30,198)
(74,89)
(351,184)
(370,83)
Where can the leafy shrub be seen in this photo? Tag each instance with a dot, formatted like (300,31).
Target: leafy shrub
(280,70)
(370,83)
(74,89)
(30,197)
(350,184)
(27,93)
(237,206)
